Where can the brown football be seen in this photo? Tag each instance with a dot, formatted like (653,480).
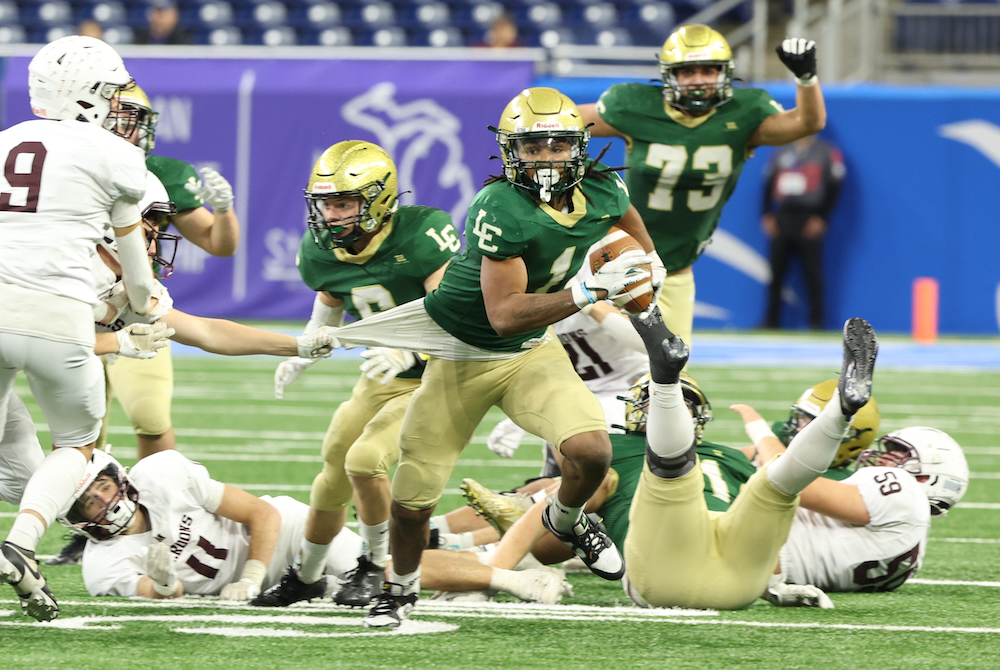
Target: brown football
(614,244)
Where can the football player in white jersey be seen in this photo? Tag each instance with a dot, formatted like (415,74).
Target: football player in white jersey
(67,180)
(869,532)
(168,528)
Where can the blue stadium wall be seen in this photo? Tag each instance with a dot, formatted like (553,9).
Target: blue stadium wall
(919,198)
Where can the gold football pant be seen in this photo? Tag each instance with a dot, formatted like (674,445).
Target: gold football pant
(539,390)
(362,440)
(144,388)
(677,304)
(680,554)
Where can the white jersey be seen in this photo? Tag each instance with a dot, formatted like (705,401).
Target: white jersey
(209,551)
(880,556)
(61,181)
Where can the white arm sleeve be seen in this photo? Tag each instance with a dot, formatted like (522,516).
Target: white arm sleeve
(619,327)
(324,315)
(136,271)
(125,212)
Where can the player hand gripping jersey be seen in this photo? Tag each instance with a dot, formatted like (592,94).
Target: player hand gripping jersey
(484,327)
(167,529)
(69,180)
(362,255)
(688,140)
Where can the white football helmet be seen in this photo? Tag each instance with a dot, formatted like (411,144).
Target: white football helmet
(102,520)
(930,455)
(79,78)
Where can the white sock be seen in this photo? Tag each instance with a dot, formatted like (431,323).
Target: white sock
(811,451)
(669,428)
(563,518)
(456,541)
(539,496)
(441,523)
(375,541)
(312,561)
(26,532)
(410,581)
(49,492)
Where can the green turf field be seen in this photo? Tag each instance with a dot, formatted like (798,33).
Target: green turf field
(225,417)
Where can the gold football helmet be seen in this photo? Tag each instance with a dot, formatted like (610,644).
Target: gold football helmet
(864,425)
(351,169)
(696,44)
(136,99)
(536,119)
(637,405)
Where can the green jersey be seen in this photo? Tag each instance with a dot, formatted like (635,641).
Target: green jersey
(836,474)
(390,271)
(508,222)
(725,470)
(174,174)
(682,169)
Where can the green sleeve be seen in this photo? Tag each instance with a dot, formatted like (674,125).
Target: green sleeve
(613,106)
(307,260)
(763,106)
(438,241)
(175,174)
(492,230)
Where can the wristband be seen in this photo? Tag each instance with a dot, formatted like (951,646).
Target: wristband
(166,590)
(324,315)
(809,81)
(758,430)
(254,572)
(582,295)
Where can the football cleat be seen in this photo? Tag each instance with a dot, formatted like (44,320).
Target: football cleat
(591,544)
(391,607)
(72,553)
(361,585)
(19,568)
(290,590)
(500,511)
(860,349)
(518,499)
(667,352)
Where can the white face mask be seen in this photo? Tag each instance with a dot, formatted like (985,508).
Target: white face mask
(546,177)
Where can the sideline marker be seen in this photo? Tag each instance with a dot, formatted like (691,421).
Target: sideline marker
(925,310)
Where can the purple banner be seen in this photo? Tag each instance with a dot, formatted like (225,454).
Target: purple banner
(263,123)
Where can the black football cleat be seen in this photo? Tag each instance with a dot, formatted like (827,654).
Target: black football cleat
(391,607)
(72,553)
(290,590)
(860,349)
(592,545)
(667,352)
(19,568)
(361,585)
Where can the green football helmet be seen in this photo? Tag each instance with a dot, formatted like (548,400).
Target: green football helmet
(135,98)
(864,425)
(696,44)
(637,405)
(538,118)
(351,169)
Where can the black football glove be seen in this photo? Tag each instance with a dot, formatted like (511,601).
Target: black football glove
(799,55)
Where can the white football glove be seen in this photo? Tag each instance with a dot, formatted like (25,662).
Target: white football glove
(505,438)
(386,362)
(164,303)
(795,595)
(213,189)
(141,340)
(659,277)
(319,343)
(243,591)
(160,568)
(288,371)
(613,277)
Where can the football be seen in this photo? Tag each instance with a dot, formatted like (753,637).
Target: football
(614,244)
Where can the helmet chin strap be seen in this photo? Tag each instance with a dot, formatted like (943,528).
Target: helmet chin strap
(545,178)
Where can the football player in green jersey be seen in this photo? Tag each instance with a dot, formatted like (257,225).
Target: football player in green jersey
(362,255)
(484,327)
(723,561)
(688,140)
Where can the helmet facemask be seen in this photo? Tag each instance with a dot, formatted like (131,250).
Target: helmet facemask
(123,119)
(523,168)
(697,97)
(637,406)
(863,428)
(162,245)
(328,233)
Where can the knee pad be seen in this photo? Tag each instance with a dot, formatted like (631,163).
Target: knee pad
(671,468)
